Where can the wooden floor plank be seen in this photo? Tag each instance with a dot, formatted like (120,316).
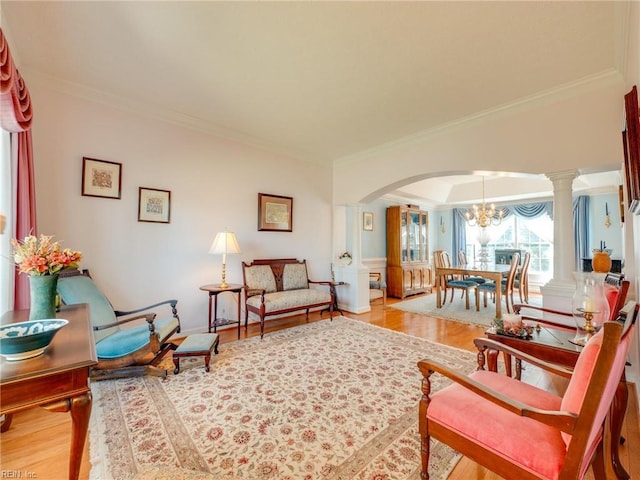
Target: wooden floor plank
(37,444)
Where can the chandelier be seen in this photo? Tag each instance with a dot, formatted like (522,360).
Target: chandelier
(484,217)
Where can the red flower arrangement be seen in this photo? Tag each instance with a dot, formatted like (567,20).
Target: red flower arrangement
(42,256)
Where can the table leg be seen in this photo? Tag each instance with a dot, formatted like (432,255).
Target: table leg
(334,292)
(215,313)
(210,295)
(438,288)
(80,408)
(498,298)
(6,422)
(80,414)
(239,301)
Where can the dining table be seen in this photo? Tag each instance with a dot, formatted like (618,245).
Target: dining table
(493,272)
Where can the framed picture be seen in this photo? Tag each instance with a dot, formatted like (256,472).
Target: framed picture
(631,148)
(101,178)
(154,205)
(275,213)
(367,221)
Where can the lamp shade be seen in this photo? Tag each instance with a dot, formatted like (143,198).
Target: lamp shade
(225,242)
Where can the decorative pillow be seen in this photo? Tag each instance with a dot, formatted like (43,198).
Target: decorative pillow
(574,395)
(295,276)
(260,277)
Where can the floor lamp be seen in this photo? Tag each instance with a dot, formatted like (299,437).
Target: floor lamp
(224,243)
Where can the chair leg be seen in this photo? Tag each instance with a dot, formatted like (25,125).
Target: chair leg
(599,463)
(520,293)
(425,439)
(466,298)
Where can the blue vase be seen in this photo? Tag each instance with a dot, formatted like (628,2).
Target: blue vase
(43,296)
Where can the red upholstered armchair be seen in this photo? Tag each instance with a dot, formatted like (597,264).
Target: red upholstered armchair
(520,431)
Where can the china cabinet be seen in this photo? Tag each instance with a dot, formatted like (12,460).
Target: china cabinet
(408,269)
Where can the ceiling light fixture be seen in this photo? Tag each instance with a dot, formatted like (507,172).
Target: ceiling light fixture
(484,217)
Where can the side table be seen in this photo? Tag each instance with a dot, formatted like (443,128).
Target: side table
(332,289)
(214,290)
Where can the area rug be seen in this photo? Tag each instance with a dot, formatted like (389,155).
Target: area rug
(328,400)
(426,305)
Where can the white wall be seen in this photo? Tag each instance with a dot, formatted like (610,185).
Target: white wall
(214,185)
(561,133)
(611,236)
(632,225)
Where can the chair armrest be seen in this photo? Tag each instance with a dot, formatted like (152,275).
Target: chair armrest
(324,282)
(519,306)
(248,292)
(562,420)
(173,304)
(149,318)
(486,343)
(522,306)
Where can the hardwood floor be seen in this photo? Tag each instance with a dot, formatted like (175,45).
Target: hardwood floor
(37,444)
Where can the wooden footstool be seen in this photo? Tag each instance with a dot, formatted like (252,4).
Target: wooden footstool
(196,345)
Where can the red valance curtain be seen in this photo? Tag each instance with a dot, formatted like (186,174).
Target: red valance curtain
(16,115)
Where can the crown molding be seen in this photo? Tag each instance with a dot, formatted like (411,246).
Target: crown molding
(156,112)
(587,84)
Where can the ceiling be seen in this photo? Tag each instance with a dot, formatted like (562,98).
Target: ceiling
(317,81)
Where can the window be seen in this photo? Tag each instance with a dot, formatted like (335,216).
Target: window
(533,235)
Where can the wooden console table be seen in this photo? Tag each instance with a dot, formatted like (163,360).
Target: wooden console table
(57,380)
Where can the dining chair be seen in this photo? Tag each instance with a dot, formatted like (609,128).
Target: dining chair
(442,259)
(464,263)
(518,430)
(521,281)
(506,286)
(377,287)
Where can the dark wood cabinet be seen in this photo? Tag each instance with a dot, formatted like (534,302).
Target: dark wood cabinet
(408,270)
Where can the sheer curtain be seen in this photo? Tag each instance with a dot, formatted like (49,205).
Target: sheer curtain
(16,115)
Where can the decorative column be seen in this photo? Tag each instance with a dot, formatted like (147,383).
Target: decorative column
(354,295)
(558,292)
